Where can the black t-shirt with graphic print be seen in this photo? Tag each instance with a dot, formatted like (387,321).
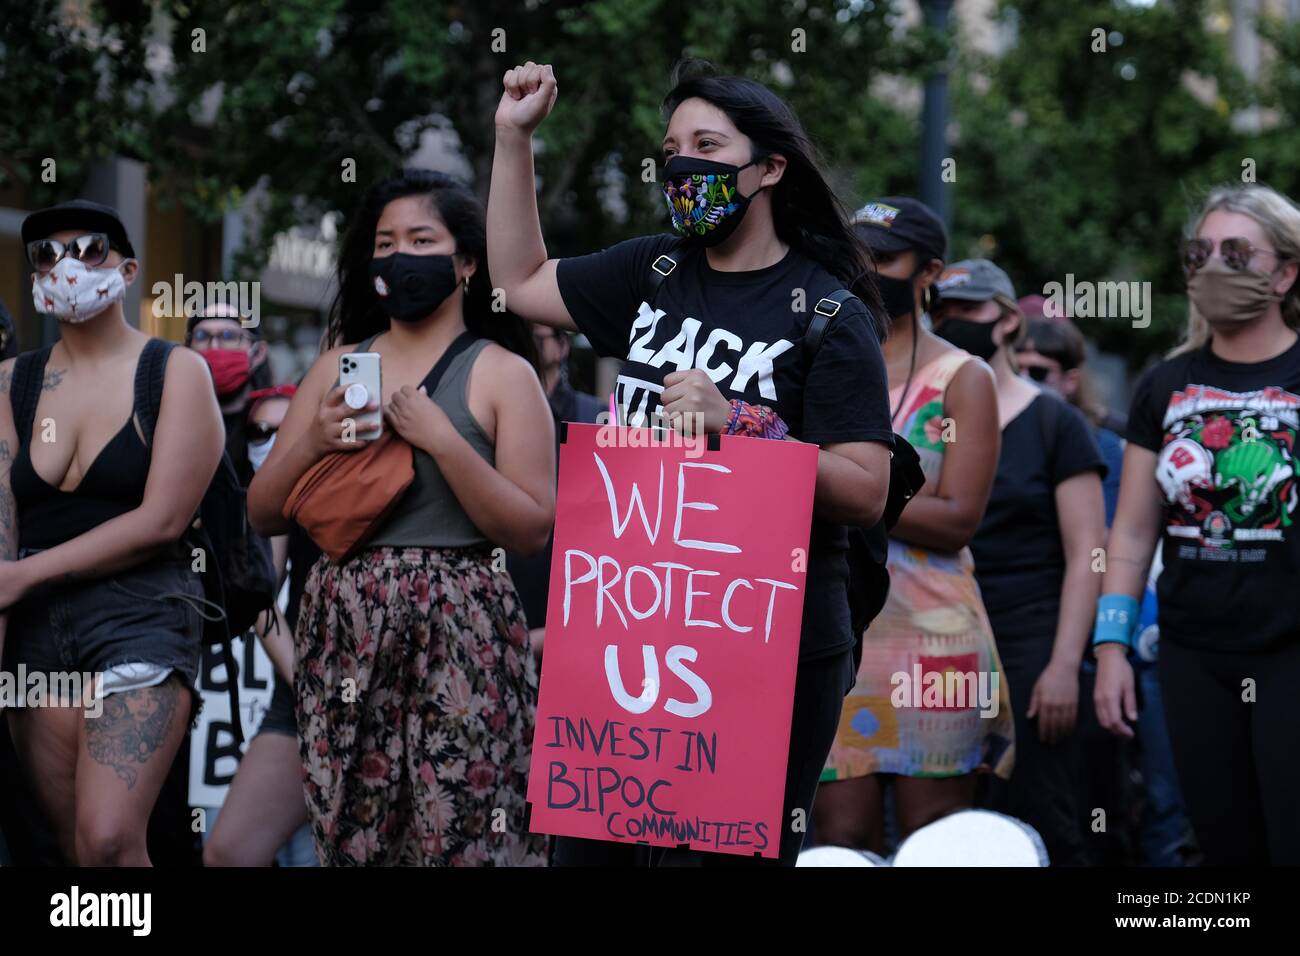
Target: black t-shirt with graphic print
(745,330)
(1225,434)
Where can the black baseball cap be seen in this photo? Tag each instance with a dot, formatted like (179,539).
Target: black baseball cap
(79,214)
(898,223)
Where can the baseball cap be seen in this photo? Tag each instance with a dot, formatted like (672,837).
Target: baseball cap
(898,223)
(974,280)
(79,214)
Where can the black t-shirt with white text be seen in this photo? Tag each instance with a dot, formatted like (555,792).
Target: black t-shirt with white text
(745,330)
(1225,436)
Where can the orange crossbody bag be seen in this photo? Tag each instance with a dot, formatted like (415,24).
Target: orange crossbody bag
(343,499)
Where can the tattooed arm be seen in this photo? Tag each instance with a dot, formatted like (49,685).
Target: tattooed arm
(8,510)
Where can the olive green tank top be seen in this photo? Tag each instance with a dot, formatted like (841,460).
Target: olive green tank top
(429,514)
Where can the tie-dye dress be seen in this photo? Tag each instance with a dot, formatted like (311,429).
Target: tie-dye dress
(930,700)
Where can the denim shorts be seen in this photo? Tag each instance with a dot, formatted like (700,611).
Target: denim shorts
(146,614)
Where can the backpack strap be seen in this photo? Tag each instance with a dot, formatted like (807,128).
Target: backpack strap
(825,310)
(662,268)
(25,390)
(150,375)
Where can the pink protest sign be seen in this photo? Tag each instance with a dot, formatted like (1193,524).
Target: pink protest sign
(672,637)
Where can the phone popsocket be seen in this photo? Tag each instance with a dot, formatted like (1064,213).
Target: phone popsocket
(356,396)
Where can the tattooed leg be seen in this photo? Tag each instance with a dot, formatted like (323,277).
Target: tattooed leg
(132,729)
(126,754)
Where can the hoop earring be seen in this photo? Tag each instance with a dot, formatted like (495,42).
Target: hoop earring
(929,300)
(467,285)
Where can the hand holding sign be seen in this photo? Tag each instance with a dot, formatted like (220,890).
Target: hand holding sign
(693,403)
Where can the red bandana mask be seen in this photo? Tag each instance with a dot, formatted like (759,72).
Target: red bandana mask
(229,369)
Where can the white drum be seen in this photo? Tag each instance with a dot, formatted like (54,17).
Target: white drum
(973,838)
(838,856)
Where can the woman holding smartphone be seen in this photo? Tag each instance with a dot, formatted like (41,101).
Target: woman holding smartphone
(94,576)
(759,226)
(415,686)
(1210,472)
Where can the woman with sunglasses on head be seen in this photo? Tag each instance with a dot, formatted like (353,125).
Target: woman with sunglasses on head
(943,402)
(1034,553)
(760,231)
(1210,462)
(415,686)
(97,489)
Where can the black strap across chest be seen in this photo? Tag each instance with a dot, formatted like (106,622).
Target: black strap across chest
(430,381)
(29,376)
(25,390)
(462,342)
(826,308)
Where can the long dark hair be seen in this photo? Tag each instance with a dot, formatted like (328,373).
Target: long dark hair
(355,314)
(805,210)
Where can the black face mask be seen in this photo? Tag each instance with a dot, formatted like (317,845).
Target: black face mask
(704,198)
(412,287)
(969,335)
(896,294)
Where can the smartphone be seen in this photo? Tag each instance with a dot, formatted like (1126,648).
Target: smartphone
(359,373)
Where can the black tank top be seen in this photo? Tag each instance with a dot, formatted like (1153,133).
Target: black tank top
(111,486)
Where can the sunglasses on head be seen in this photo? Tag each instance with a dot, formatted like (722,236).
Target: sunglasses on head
(1235,251)
(91,249)
(259,432)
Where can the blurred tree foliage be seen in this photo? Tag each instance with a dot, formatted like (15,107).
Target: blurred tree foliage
(56,103)
(280,95)
(1068,160)
(1083,162)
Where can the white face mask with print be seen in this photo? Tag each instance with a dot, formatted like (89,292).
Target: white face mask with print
(73,292)
(258,453)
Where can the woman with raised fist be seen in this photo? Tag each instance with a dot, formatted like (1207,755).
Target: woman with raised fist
(760,242)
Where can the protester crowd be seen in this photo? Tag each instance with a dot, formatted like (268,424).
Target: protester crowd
(406,655)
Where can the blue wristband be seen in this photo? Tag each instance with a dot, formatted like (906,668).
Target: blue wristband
(1117,618)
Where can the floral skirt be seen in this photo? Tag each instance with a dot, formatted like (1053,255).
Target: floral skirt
(416,699)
